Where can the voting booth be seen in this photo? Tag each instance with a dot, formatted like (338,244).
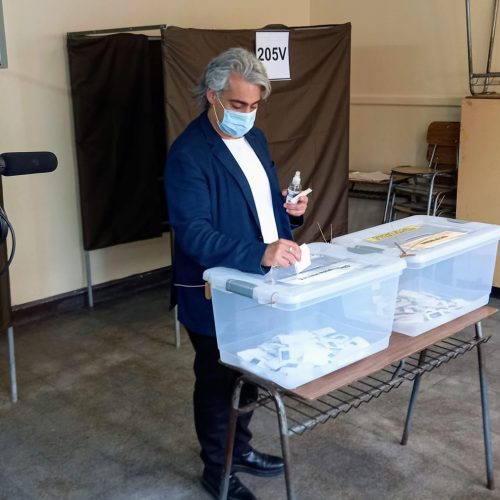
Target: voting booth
(291,327)
(449,266)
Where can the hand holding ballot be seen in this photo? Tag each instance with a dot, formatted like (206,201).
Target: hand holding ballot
(285,253)
(281,253)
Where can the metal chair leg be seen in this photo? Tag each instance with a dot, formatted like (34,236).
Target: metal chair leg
(391,211)
(12,364)
(388,199)
(429,195)
(488,450)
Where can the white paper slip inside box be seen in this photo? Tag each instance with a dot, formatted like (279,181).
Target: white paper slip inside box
(449,266)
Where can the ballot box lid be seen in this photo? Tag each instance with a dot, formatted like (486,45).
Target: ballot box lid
(421,239)
(333,271)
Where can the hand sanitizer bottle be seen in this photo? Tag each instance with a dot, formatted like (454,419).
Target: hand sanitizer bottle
(293,188)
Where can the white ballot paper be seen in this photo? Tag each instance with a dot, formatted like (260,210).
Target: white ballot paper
(305,258)
(291,351)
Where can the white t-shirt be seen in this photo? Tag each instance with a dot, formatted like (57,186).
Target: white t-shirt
(259,184)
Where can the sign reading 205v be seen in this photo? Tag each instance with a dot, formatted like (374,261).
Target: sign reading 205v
(271,47)
(272,53)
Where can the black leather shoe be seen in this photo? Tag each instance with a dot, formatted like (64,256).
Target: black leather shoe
(237,490)
(258,464)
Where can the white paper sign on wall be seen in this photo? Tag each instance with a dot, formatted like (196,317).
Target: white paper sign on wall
(273,50)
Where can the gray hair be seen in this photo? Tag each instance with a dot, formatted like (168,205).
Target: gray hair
(219,69)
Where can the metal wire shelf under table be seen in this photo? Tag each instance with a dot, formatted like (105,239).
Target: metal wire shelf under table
(303,415)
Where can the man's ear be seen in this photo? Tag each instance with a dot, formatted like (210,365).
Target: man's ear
(211,96)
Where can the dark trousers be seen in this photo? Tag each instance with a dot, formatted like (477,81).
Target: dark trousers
(212,402)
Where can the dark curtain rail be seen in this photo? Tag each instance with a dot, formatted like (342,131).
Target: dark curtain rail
(76,34)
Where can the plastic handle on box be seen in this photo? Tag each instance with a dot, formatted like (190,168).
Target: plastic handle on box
(363,249)
(240,287)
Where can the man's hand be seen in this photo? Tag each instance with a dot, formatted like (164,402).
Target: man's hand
(296,209)
(281,253)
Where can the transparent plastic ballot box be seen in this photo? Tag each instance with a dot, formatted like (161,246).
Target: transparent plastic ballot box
(291,327)
(449,266)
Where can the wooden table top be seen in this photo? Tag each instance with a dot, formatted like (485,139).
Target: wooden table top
(400,347)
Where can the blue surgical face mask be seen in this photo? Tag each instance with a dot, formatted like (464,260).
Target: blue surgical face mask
(235,123)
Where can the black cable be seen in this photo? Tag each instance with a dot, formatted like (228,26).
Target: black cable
(5,220)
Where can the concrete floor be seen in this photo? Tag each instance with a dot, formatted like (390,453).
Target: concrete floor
(104,413)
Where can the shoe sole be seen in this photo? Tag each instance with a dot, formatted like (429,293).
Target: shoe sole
(256,472)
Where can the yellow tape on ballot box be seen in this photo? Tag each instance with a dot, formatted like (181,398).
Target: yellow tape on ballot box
(391,234)
(425,241)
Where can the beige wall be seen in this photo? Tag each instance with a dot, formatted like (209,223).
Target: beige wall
(36,115)
(409,67)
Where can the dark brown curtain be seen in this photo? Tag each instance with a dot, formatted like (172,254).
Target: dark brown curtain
(117,90)
(5,311)
(306,119)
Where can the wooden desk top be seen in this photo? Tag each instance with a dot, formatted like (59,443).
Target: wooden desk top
(400,347)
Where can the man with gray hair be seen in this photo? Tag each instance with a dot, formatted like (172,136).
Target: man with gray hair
(227,209)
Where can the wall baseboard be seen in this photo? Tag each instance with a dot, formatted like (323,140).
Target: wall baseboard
(116,289)
(77,299)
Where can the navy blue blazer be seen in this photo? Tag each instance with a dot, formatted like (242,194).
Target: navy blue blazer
(212,211)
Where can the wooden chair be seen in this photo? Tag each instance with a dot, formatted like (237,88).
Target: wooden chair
(430,189)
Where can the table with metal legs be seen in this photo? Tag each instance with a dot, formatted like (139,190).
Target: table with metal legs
(406,358)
